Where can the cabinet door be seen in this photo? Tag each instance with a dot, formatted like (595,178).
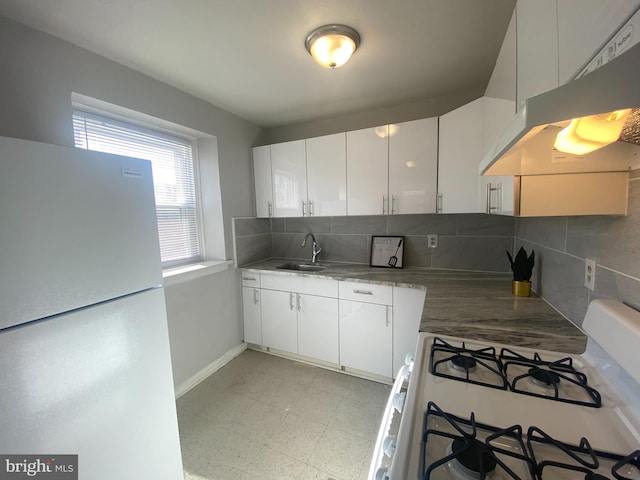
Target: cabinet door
(252,315)
(413,166)
(262,180)
(408,304)
(583,28)
(279,320)
(288,166)
(365,337)
(327,175)
(367,171)
(537,47)
(460,151)
(318,327)
(498,193)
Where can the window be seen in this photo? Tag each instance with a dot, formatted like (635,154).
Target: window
(173,177)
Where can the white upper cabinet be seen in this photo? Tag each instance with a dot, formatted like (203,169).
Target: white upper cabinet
(584,26)
(289,170)
(502,83)
(368,171)
(537,48)
(460,151)
(262,178)
(327,175)
(413,166)
(497,190)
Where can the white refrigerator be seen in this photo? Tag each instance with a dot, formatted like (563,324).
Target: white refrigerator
(85,364)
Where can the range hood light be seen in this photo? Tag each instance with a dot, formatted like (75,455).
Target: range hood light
(586,134)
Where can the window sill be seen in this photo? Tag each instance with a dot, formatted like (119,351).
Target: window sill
(185,273)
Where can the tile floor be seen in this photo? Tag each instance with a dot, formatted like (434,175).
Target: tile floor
(262,416)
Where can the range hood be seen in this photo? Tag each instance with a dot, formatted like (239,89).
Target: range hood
(526,146)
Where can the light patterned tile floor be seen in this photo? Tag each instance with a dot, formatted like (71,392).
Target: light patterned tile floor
(266,417)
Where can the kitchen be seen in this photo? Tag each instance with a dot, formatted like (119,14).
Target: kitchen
(36,106)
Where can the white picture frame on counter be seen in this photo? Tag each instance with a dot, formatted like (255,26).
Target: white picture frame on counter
(387,251)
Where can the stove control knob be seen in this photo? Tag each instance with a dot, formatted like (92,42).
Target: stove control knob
(381,474)
(389,445)
(398,401)
(408,359)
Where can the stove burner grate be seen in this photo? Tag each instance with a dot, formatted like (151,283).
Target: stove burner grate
(479,367)
(466,456)
(550,376)
(580,459)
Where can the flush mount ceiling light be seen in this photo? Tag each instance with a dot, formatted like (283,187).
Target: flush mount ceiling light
(332,45)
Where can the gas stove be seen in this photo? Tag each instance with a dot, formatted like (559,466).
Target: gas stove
(471,410)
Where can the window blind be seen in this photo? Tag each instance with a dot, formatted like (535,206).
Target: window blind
(173,177)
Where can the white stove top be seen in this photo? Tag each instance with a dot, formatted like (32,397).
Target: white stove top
(613,427)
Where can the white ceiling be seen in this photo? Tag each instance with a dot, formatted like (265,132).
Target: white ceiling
(248,56)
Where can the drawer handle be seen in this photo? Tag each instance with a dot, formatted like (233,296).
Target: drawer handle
(249,278)
(363,292)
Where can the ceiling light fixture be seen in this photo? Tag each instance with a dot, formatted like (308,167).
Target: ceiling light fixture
(332,45)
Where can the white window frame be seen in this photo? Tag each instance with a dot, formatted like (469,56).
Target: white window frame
(137,119)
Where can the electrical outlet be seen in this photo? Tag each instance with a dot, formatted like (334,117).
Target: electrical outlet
(432,240)
(589,273)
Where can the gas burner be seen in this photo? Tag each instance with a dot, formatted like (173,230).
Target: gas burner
(461,449)
(543,378)
(556,380)
(595,476)
(555,459)
(472,459)
(480,366)
(463,363)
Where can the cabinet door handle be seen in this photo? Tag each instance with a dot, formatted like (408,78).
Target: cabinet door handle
(387,315)
(488,200)
(391,210)
(439,203)
(299,300)
(363,292)
(383,200)
(310,208)
(270,208)
(249,278)
(304,208)
(291,306)
(499,193)
(255,296)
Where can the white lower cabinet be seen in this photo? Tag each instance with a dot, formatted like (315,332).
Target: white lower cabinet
(366,330)
(365,337)
(279,320)
(251,307)
(318,327)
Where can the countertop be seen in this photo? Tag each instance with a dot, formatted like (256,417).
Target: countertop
(473,305)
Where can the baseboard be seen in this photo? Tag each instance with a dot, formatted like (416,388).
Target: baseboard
(210,369)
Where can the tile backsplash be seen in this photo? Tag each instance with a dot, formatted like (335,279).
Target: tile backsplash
(465,241)
(476,242)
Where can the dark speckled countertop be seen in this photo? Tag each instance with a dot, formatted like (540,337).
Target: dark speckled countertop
(472,305)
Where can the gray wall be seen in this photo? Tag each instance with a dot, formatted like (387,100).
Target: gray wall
(430,107)
(465,241)
(563,243)
(38,74)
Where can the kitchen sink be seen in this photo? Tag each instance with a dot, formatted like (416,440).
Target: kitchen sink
(306,267)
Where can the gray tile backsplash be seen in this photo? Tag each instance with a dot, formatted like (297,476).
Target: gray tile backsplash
(467,242)
(563,243)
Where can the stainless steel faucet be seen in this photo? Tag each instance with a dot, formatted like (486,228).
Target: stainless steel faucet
(314,248)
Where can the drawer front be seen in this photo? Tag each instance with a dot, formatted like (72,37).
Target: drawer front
(366,292)
(250,279)
(322,287)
